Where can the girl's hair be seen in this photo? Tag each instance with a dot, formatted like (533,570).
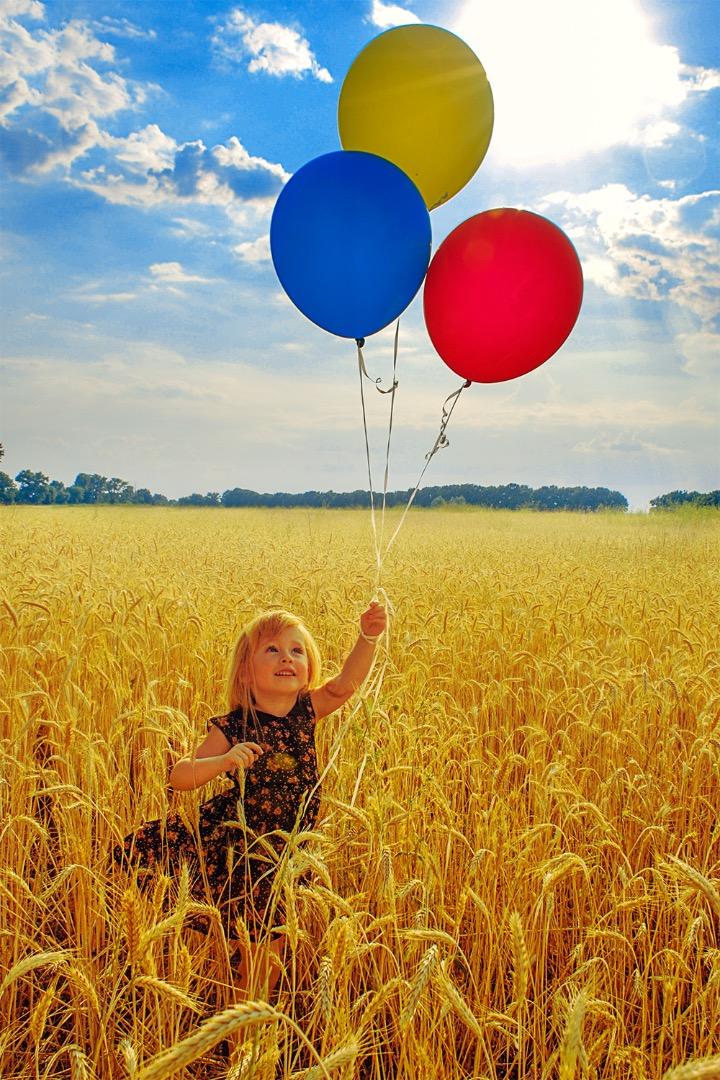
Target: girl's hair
(239,669)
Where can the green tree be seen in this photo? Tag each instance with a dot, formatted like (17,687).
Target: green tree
(92,487)
(58,492)
(34,488)
(8,489)
(118,491)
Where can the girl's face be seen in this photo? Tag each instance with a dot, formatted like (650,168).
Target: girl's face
(280,663)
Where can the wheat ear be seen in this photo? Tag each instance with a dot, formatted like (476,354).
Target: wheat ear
(207,1035)
(418,985)
(702,1069)
(572,1037)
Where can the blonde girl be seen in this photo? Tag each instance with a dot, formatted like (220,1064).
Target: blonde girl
(265,744)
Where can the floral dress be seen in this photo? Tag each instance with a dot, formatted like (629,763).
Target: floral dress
(238,846)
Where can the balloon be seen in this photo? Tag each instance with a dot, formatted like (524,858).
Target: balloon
(502,294)
(350,241)
(419,96)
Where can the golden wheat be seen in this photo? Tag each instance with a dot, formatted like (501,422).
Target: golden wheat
(523,802)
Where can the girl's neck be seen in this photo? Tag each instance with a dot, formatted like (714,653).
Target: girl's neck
(274,704)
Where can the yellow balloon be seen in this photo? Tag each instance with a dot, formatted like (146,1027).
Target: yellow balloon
(418,96)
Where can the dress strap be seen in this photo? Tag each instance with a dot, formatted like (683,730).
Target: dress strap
(305,706)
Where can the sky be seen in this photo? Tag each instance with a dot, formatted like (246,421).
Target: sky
(145,335)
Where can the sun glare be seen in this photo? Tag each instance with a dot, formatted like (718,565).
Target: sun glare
(570,77)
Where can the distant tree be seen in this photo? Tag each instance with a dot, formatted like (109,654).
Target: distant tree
(117,491)
(211,499)
(673,499)
(8,489)
(92,485)
(142,495)
(59,493)
(240,497)
(33,488)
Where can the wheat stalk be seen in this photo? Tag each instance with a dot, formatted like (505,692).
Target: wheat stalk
(338,1059)
(521,960)
(455,999)
(167,990)
(324,986)
(701,1069)
(132,919)
(40,1012)
(571,1043)
(418,985)
(211,1032)
(703,884)
(30,963)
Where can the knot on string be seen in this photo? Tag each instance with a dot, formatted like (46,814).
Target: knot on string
(360,342)
(440,442)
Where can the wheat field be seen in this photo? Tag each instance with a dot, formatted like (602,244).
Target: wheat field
(516,870)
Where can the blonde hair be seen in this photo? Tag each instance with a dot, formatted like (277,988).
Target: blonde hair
(239,677)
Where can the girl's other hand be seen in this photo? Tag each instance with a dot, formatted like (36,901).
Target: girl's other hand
(242,755)
(374,620)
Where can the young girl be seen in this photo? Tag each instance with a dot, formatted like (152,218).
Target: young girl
(275,698)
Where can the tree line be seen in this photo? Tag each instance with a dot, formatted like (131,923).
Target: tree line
(674,499)
(35,488)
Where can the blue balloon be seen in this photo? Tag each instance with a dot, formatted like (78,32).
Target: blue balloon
(350,240)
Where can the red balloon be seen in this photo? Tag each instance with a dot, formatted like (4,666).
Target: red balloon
(502,293)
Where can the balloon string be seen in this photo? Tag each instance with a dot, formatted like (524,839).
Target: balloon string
(360,342)
(363,372)
(440,443)
(390,427)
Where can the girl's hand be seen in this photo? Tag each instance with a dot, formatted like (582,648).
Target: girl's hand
(374,620)
(242,755)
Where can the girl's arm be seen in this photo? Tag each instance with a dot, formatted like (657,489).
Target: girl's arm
(333,694)
(214,756)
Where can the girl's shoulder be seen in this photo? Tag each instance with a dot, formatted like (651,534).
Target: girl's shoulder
(229,723)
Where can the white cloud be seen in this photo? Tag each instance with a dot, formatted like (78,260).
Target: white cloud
(273,48)
(147,149)
(625,444)
(254,251)
(60,87)
(507,412)
(227,176)
(108,298)
(387,15)
(191,228)
(31,8)
(173,273)
(572,77)
(650,249)
(53,69)
(702,354)
(123,28)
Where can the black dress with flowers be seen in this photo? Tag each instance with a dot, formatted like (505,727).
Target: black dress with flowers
(238,844)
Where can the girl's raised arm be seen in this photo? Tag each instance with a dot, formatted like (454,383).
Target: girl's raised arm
(333,694)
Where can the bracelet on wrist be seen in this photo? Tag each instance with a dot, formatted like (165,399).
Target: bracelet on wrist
(370,640)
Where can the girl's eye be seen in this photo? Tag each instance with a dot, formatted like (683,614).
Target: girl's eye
(299,649)
(271,648)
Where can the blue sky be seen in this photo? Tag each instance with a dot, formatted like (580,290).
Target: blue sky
(145,334)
